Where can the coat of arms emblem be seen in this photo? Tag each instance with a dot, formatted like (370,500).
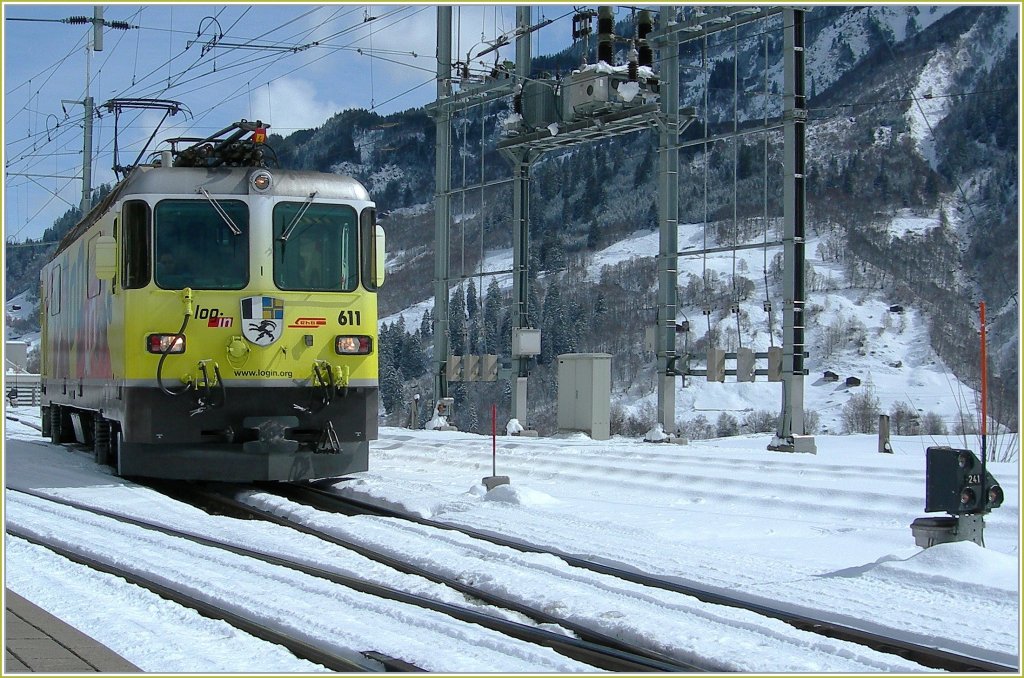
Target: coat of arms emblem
(262,319)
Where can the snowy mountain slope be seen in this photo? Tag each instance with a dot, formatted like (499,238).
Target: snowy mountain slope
(887,351)
(884,79)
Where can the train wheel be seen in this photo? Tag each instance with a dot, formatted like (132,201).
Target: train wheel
(55,417)
(101,448)
(116,441)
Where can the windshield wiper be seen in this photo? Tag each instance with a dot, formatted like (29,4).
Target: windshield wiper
(298,215)
(235,230)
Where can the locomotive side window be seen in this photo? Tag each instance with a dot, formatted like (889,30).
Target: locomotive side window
(54,296)
(135,268)
(320,252)
(93,285)
(195,248)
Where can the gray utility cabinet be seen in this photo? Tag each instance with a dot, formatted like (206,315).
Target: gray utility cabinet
(584,393)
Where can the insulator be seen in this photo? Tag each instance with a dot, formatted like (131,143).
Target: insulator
(646,55)
(634,68)
(517,103)
(605,35)
(644,24)
(605,21)
(581,25)
(78,20)
(120,25)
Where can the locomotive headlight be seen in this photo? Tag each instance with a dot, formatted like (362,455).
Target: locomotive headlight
(352,345)
(261,181)
(166,343)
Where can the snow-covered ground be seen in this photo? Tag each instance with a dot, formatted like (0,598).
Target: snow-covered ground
(825,534)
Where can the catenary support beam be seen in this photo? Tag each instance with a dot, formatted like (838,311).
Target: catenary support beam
(791,432)
(668,227)
(521,162)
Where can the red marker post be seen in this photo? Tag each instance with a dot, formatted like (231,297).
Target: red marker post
(984,389)
(494,480)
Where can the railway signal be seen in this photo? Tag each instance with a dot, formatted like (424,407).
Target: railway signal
(956,482)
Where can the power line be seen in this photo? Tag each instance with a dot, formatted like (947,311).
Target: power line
(898,100)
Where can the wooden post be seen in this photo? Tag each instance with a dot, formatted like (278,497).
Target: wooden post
(884,446)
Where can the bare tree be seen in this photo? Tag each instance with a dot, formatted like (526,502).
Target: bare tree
(860,414)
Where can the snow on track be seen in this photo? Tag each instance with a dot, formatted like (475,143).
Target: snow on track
(307,607)
(824,535)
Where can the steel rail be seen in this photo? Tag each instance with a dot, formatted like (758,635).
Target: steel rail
(298,647)
(590,652)
(932,657)
(624,657)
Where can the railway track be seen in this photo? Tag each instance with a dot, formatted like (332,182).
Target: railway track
(326,500)
(611,655)
(317,495)
(364,662)
(26,422)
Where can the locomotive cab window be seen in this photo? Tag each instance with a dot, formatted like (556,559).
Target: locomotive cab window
(196,247)
(135,265)
(315,247)
(369,247)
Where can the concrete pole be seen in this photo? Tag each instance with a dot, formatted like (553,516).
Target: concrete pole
(89,105)
(87,157)
(442,187)
(668,227)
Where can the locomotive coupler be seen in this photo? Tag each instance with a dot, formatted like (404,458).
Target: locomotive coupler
(329,442)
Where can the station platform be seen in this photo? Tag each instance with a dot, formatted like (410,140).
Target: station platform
(37,642)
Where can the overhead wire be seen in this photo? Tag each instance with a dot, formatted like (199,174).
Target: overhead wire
(248,61)
(176,81)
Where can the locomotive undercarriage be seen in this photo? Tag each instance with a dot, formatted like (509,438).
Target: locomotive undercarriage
(287,433)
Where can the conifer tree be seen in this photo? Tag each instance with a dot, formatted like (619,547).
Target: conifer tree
(473,324)
(492,318)
(457,322)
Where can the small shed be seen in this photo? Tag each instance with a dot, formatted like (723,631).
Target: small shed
(830,376)
(852,381)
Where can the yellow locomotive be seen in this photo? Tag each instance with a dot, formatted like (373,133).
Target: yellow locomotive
(215,319)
